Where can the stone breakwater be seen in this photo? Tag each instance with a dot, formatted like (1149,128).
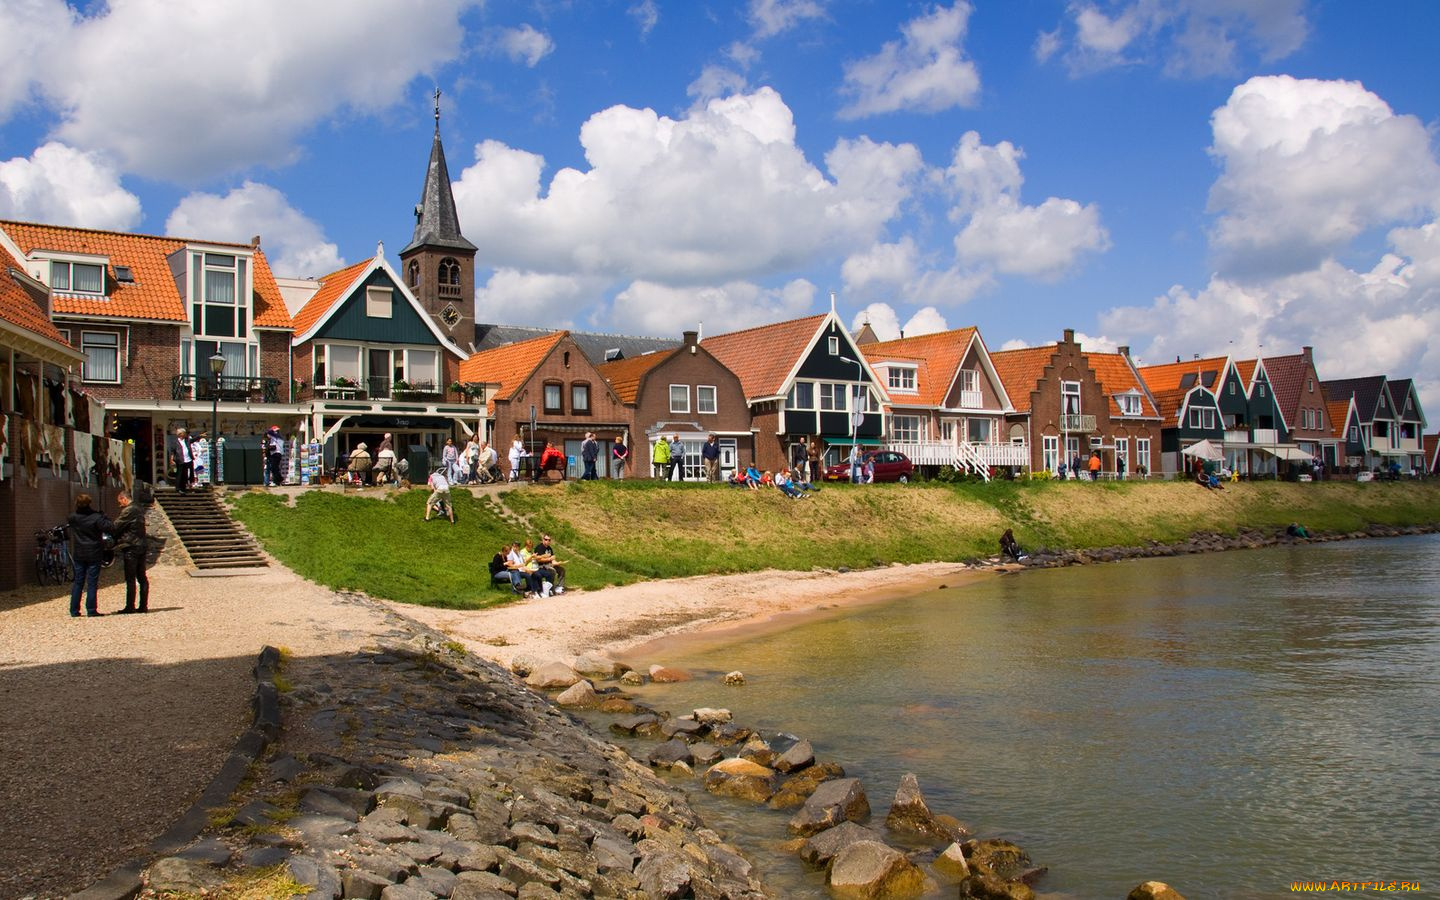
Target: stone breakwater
(416,770)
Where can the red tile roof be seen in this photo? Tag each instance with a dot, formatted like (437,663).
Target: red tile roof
(19,305)
(1166,377)
(332,287)
(1431,443)
(625,375)
(153,294)
(1339,410)
(937,356)
(1020,371)
(510,365)
(1117,376)
(763,357)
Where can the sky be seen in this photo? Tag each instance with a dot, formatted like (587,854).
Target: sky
(1178,176)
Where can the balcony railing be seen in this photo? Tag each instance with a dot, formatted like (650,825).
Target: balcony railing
(1074,422)
(1237,435)
(1265,436)
(945,453)
(451,291)
(971,400)
(230,388)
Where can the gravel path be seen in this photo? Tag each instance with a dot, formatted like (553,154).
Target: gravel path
(112,727)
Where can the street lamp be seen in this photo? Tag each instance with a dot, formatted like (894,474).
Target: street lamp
(217,365)
(855,420)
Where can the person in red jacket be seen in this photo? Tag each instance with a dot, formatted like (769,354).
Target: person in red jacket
(551,458)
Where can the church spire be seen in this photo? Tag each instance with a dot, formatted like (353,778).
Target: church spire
(436,222)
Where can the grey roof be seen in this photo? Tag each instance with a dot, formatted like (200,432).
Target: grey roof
(1366,392)
(598,348)
(436,223)
(1400,391)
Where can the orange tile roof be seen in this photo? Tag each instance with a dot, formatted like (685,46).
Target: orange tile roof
(1339,416)
(763,357)
(332,288)
(938,356)
(1166,377)
(625,375)
(21,307)
(1246,368)
(1117,376)
(1020,371)
(510,365)
(153,294)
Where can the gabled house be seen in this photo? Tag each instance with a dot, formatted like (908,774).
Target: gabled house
(370,359)
(1188,395)
(804,378)
(149,313)
(1379,420)
(1301,399)
(947,404)
(685,392)
(1409,423)
(1071,403)
(546,389)
(1267,442)
(1346,450)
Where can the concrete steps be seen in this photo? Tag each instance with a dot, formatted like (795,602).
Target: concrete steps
(205,529)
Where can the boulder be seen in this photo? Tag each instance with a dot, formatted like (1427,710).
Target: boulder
(684,728)
(868,869)
(819,849)
(742,779)
(712,717)
(639,725)
(406,891)
(664,675)
(669,753)
(1154,890)
(704,754)
(362,885)
(524,663)
(580,695)
(758,752)
(664,874)
(910,815)
(632,677)
(729,733)
(622,706)
(182,876)
(796,758)
(1000,859)
(841,800)
(597,665)
(796,789)
(734,679)
(951,864)
(552,676)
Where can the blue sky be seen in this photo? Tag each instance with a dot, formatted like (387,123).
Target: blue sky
(1182,176)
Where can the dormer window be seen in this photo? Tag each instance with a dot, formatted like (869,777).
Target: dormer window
(77,278)
(900,378)
(219,292)
(1130,404)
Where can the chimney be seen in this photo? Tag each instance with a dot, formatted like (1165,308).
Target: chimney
(1069,335)
(691,338)
(255,241)
(1308,353)
(1124,350)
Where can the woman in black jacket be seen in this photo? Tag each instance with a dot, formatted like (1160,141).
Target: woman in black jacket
(87,530)
(131,546)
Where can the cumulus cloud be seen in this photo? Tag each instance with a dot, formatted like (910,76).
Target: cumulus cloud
(646,14)
(771,17)
(523,45)
(927,320)
(257,75)
(294,244)
(881,267)
(723,194)
(925,71)
(561,301)
(65,186)
(648,308)
(715,81)
(1187,38)
(1309,165)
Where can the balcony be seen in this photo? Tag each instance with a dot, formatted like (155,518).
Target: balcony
(1237,435)
(1265,436)
(231,388)
(1080,423)
(944,453)
(449,291)
(971,400)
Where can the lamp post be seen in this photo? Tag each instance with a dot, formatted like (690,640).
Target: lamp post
(217,365)
(855,420)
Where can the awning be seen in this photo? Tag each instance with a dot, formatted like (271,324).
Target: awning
(1205,449)
(846,442)
(1293,454)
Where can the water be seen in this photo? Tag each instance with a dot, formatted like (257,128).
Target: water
(1229,723)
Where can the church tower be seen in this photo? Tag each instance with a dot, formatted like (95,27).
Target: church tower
(438,264)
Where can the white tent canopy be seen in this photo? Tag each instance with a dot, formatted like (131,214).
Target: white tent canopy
(1205,449)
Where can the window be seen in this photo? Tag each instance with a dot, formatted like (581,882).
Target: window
(1122,452)
(1142,453)
(705,399)
(102,356)
(580,398)
(1354,435)
(378,302)
(679,398)
(1202,418)
(900,378)
(422,369)
(1017,434)
(1382,401)
(1050,452)
(553,398)
(77,278)
(905,429)
(1262,389)
(343,360)
(412,273)
(977,431)
(1232,388)
(1070,398)
(864,400)
(802,395)
(217,299)
(969,380)
(1130,404)
(834,345)
(1310,385)
(832,397)
(448,277)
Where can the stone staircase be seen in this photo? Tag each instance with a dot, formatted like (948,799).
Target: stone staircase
(207,532)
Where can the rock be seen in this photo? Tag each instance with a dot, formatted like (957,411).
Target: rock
(321,877)
(264,857)
(434,879)
(1154,890)
(525,663)
(868,869)
(613,854)
(664,874)
(704,754)
(712,717)
(210,850)
(182,876)
(999,859)
(758,752)
(255,813)
(741,779)
(988,887)
(480,859)
(796,789)
(669,753)
(910,815)
(632,678)
(841,800)
(734,679)
(362,885)
(406,891)
(682,727)
(951,864)
(324,803)
(522,871)
(597,665)
(796,758)
(644,723)
(664,675)
(618,706)
(730,733)
(552,676)
(819,849)
(477,884)
(580,695)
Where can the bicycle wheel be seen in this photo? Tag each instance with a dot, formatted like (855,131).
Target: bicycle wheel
(67,565)
(42,567)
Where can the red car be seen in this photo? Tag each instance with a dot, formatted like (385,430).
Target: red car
(889,466)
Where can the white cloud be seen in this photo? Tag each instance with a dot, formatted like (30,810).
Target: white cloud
(1307,166)
(771,17)
(65,186)
(927,320)
(256,75)
(557,300)
(648,308)
(31,33)
(647,15)
(880,267)
(294,244)
(715,81)
(882,318)
(925,71)
(1191,38)
(720,195)
(524,44)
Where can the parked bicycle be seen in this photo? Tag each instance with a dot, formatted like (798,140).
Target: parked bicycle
(52,557)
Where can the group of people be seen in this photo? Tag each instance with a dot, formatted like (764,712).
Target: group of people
(185,457)
(531,570)
(476,463)
(90,532)
(791,484)
(1080,468)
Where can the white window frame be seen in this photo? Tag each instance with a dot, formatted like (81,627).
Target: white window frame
(901,379)
(793,400)
(969,380)
(379,302)
(1142,453)
(69,265)
(87,342)
(906,429)
(1122,453)
(706,399)
(412,366)
(832,396)
(1050,452)
(1130,404)
(989,429)
(577,408)
(834,346)
(335,356)
(679,399)
(1070,389)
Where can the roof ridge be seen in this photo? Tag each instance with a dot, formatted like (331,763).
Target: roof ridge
(127,234)
(768,325)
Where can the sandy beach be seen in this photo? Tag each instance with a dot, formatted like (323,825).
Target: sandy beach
(636,623)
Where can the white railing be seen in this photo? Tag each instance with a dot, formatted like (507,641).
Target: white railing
(1266,436)
(1237,436)
(963,454)
(968,459)
(1077,423)
(971,400)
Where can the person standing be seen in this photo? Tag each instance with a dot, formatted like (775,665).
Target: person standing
(619,454)
(710,455)
(131,546)
(589,453)
(799,457)
(517,453)
(677,459)
(87,533)
(1120,468)
(182,460)
(660,458)
(812,452)
(1094,465)
(274,452)
(450,458)
(472,460)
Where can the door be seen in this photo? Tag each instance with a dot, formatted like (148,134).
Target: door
(729,455)
(377,383)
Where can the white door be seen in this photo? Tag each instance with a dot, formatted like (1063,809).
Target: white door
(728,455)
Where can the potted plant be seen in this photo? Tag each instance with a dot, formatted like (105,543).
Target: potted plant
(344,382)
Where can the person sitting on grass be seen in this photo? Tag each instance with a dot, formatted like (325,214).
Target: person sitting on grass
(439,494)
(545,556)
(767,478)
(1009,547)
(501,573)
(787,487)
(752,477)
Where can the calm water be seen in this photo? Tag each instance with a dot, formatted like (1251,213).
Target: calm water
(1228,723)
